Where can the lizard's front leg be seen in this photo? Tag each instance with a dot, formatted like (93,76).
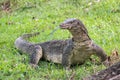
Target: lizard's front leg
(66,61)
(35,55)
(99,52)
(67,54)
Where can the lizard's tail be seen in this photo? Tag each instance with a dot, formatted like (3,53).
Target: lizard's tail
(22,44)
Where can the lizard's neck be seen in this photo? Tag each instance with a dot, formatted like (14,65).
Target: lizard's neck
(79,35)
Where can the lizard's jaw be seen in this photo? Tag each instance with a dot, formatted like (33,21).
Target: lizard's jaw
(65,26)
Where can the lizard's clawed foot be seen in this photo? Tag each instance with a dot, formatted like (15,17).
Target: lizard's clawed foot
(67,68)
(34,65)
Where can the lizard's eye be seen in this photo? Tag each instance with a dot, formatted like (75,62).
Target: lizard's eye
(72,22)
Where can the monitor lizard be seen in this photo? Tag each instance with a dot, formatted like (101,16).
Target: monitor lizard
(75,50)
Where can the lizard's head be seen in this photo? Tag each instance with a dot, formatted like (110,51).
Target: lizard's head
(71,24)
(75,26)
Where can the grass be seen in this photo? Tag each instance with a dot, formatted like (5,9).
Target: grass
(27,16)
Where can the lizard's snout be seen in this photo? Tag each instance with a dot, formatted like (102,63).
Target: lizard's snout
(64,26)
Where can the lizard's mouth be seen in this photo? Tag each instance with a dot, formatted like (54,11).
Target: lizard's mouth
(65,26)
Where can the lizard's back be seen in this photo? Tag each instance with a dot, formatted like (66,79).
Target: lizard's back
(53,50)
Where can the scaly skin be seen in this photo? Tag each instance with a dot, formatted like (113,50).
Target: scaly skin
(66,52)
